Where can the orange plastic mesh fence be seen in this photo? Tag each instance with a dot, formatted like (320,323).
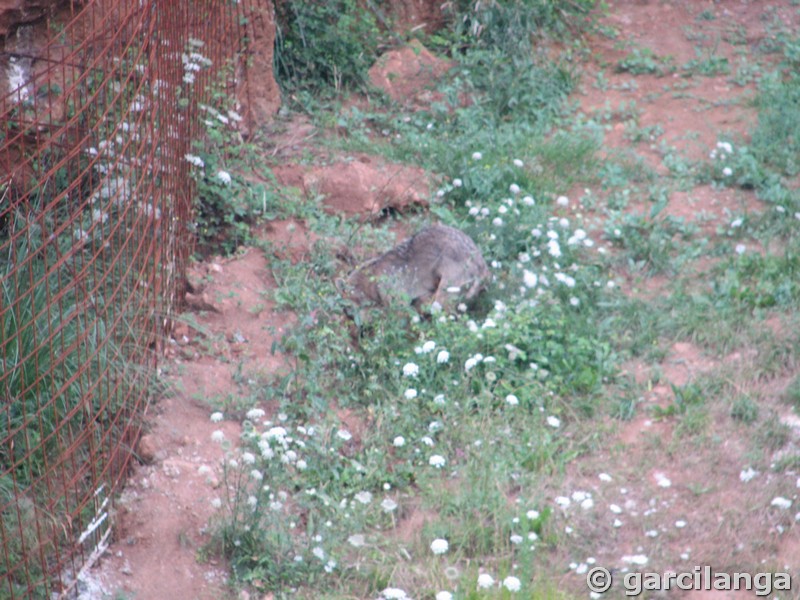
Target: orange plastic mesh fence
(103,102)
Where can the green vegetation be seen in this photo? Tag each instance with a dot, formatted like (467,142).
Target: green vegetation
(67,334)
(234,189)
(470,422)
(322,45)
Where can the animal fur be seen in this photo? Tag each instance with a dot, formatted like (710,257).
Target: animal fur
(439,264)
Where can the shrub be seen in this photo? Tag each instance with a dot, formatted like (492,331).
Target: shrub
(322,45)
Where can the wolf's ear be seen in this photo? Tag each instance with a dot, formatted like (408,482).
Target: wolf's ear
(340,285)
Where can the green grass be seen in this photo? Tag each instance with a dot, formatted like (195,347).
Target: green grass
(67,368)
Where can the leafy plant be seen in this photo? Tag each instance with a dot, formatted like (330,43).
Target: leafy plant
(324,46)
(642,61)
(233,190)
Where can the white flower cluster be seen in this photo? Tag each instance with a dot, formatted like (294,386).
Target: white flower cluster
(277,442)
(193,62)
(721,152)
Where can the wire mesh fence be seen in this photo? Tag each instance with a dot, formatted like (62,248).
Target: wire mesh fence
(104,99)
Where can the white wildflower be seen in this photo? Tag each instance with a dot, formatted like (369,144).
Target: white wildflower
(364,497)
(781,502)
(529,279)
(437,460)
(255,413)
(410,370)
(485,581)
(662,480)
(357,540)
(725,146)
(512,584)
(747,474)
(194,160)
(567,280)
(439,546)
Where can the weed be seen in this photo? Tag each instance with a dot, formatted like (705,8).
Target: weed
(774,143)
(641,61)
(771,434)
(792,393)
(744,409)
(649,243)
(754,281)
(706,15)
(708,63)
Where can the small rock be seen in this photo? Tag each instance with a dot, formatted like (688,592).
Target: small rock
(201,302)
(126,569)
(171,469)
(147,449)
